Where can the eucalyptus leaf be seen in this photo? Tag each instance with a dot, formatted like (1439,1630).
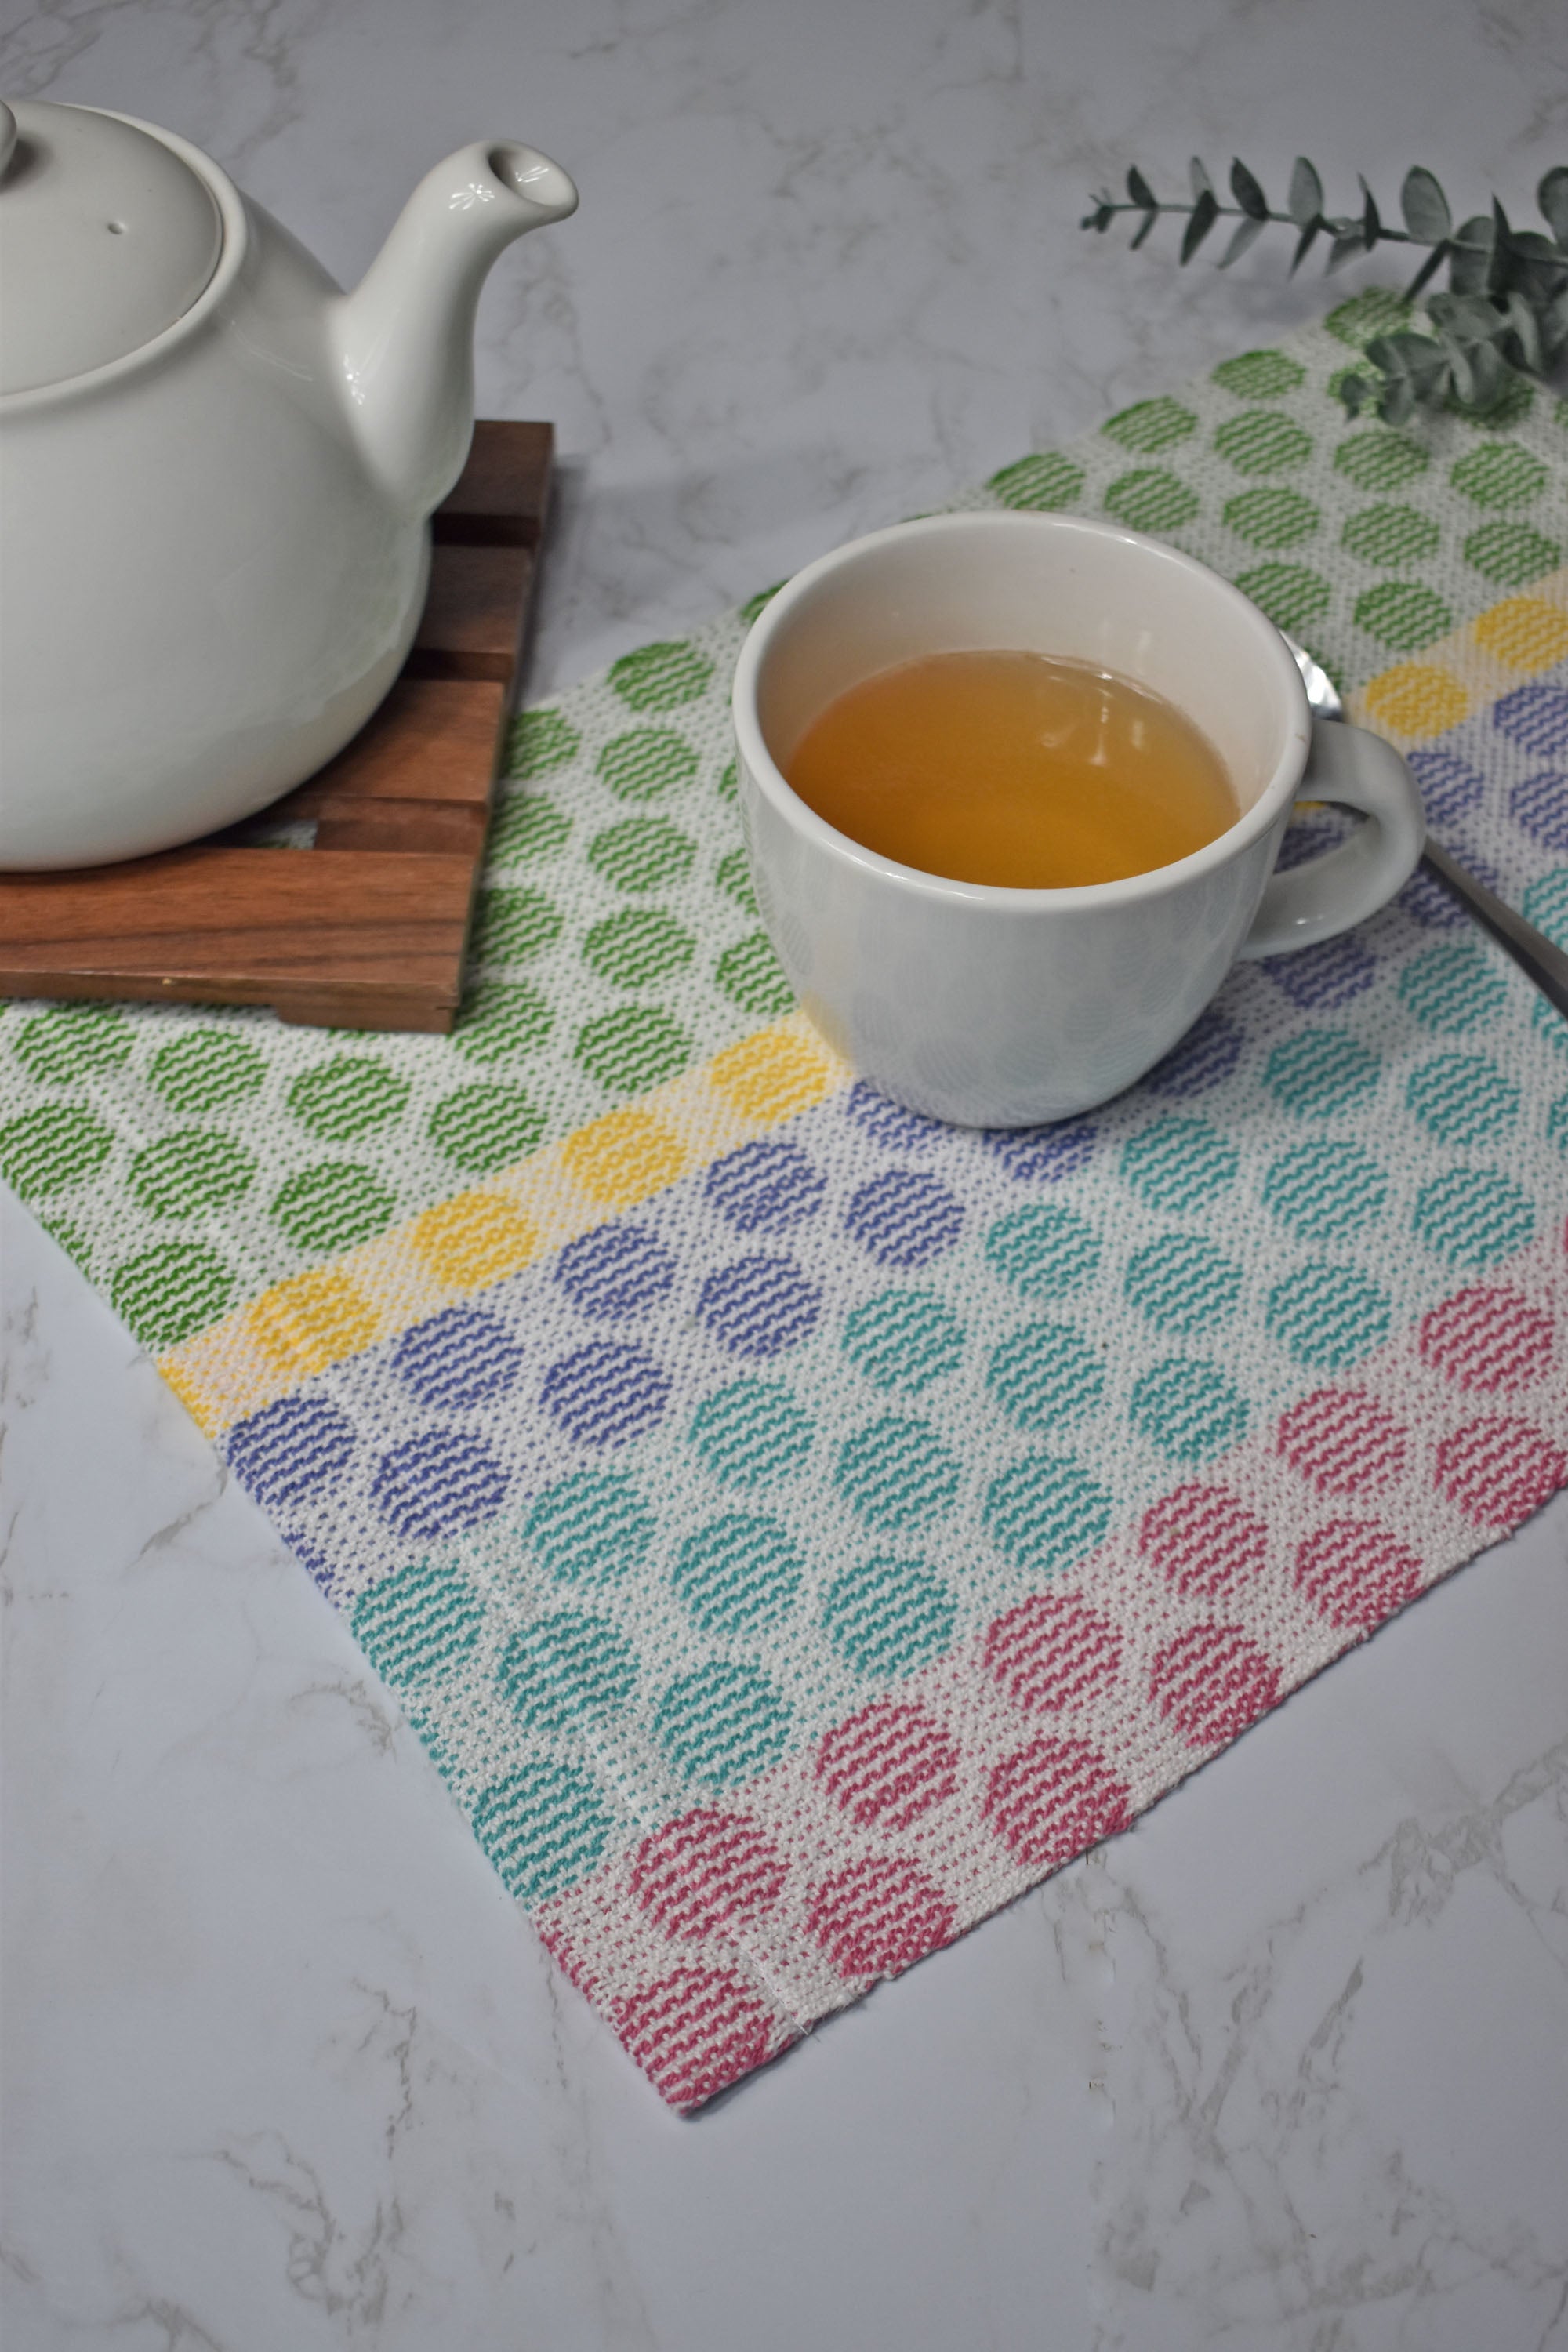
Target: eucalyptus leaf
(1138,188)
(1460,367)
(1245,230)
(1304,245)
(1146,225)
(1552,197)
(1522,319)
(1347,244)
(1490,373)
(1246,191)
(1397,406)
(1429,270)
(1424,208)
(1305,202)
(1205,213)
(1371,220)
(1199,178)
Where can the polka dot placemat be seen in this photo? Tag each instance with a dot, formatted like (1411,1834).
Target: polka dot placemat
(795,1527)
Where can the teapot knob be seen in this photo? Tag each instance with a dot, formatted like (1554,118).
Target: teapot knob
(7,135)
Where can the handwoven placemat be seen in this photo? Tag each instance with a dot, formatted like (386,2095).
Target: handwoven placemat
(796,1528)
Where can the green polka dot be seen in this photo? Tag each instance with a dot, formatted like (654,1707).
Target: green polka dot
(633,1049)
(738,1573)
(647,765)
(638,947)
(755,607)
(1043,1253)
(541,739)
(482,1128)
(751,1434)
(897,1473)
(333,1207)
(661,676)
(1327,1315)
(1149,499)
(903,1341)
(1188,1409)
(733,877)
(1321,1190)
(1451,989)
(1380,460)
(1262,441)
(1039,484)
(1178,1162)
(1292,595)
(1320,1072)
(645,853)
(1510,553)
(566,1669)
(499,1020)
(1471,1217)
(1182,1283)
(1462,1098)
(417,1623)
(1150,424)
(1365,316)
(1046,1374)
(1511,407)
(591,1528)
(528,830)
(1499,474)
(751,976)
(1260,375)
(885,1617)
(74,1041)
(543,1828)
(199,1168)
(206,1070)
(1390,535)
(168,1292)
(515,926)
(47,1149)
(1402,614)
(724,1723)
(1272,516)
(730,781)
(1044,1513)
(338,1100)
(1546,904)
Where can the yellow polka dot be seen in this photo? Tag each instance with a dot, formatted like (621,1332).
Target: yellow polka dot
(313,1320)
(1527,632)
(472,1240)
(1416,698)
(624,1158)
(207,1411)
(772,1075)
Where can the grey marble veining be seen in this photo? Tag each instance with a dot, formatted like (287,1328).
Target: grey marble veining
(1283,2070)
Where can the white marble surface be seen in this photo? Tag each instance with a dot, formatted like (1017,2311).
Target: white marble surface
(1284,2068)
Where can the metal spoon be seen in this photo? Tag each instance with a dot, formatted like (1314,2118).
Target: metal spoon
(1537,956)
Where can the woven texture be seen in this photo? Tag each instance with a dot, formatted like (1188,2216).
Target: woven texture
(796,1528)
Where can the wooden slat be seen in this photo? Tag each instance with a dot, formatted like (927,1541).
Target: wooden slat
(502,494)
(472,613)
(432,739)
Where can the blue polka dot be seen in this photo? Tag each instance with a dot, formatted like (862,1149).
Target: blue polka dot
(887,1122)
(617,1272)
(608,1394)
(760,1306)
(458,1358)
(1449,786)
(1311,837)
(1042,1155)
(765,1188)
(438,1483)
(289,1449)
(1426,902)
(1535,716)
(1539,804)
(1204,1057)
(1331,973)
(904,1219)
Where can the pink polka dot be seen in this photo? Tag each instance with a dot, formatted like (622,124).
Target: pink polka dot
(705,1872)
(889,1764)
(1497,1472)
(879,1916)
(1204,1541)
(1211,1682)
(1052,1652)
(1343,1441)
(1355,1572)
(1055,1799)
(693,2032)
(1489,1339)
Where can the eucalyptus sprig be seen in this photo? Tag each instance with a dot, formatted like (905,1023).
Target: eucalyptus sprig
(1504,314)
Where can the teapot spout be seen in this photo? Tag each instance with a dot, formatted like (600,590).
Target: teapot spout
(404,337)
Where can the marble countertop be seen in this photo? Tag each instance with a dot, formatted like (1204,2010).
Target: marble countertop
(1285,2068)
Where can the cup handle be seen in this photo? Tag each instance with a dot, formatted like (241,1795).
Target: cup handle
(1326,896)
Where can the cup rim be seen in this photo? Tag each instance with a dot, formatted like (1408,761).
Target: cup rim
(769,778)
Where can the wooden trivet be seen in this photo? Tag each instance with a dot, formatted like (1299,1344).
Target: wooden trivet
(367,930)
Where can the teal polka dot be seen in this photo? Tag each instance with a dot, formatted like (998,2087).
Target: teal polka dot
(903,1341)
(417,1623)
(1320,1072)
(543,1828)
(1178,1162)
(1046,1512)
(1181,1283)
(1045,1374)
(1471,1217)
(751,1434)
(1321,1190)
(1188,1409)
(1557,1123)
(738,1573)
(1327,1315)
(1546,904)
(565,1669)
(723,1723)
(886,1616)
(1452,989)
(897,1473)
(1043,1253)
(1462,1098)
(590,1529)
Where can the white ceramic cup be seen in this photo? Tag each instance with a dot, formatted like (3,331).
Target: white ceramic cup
(995,1007)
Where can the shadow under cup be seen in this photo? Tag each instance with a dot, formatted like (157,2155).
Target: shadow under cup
(985,1005)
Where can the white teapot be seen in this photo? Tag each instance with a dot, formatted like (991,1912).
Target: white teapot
(217,472)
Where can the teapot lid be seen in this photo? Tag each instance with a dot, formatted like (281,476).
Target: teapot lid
(107,236)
